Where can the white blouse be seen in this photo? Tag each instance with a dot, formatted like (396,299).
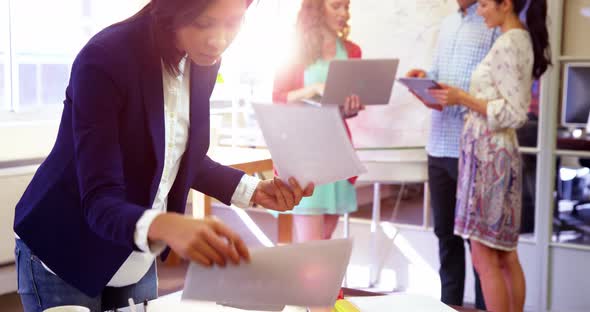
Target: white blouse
(504,78)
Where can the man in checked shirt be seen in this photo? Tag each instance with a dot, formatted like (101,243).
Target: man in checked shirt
(464,41)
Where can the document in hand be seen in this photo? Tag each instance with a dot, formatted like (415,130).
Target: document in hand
(420,87)
(308,274)
(308,143)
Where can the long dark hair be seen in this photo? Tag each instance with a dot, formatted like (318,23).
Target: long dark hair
(536,20)
(168,16)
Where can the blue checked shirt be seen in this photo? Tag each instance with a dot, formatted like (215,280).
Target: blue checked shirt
(463,42)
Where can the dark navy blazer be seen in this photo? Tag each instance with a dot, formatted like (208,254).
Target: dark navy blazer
(78,214)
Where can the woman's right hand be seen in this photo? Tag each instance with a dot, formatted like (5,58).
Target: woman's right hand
(205,241)
(317,89)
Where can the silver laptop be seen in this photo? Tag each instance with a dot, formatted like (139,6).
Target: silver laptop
(370,79)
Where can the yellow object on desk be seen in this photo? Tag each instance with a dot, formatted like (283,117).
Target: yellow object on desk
(343,305)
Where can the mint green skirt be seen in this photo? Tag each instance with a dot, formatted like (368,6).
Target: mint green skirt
(335,198)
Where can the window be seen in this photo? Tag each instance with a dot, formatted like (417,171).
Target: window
(4,43)
(247,70)
(38,43)
(41,53)
(36,58)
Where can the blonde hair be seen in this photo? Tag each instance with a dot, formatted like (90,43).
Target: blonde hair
(310,21)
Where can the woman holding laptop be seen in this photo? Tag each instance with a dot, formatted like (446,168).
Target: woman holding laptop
(489,188)
(321,36)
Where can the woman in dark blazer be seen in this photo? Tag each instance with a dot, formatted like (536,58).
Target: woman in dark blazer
(132,142)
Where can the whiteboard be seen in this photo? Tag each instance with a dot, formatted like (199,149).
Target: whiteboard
(402,29)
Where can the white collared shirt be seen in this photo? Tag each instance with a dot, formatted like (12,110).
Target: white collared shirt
(176,123)
(463,42)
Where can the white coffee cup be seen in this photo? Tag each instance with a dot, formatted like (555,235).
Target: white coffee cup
(68,308)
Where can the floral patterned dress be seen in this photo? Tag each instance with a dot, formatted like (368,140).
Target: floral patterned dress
(490,180)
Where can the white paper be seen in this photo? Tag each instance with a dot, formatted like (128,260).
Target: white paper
(400,302)
(308,143)
(308,274)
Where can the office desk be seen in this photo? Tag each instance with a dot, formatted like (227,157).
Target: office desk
(391,165)
(248,160)
(576,147)
(350,292)
(172,302)
(251,161)
(580,144)
(385,165)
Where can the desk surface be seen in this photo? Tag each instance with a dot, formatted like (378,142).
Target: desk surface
(227,144)
(362,293)
(248,160)
(580,144)
(231,156)
(165,303)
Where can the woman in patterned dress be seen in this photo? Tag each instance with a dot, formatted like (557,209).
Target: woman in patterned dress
(489,189)
(322,30)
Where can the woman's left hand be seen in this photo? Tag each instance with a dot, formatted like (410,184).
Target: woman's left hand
(448,95)
(352,106)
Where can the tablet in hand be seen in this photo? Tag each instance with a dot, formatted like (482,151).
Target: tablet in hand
(420,87)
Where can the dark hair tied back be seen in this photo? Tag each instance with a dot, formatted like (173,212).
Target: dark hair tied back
(536,20)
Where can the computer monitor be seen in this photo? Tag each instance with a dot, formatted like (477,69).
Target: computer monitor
(576,95)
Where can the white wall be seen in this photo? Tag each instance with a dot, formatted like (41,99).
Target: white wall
(13,182)
(27,140)
(570,278)
(396,29)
